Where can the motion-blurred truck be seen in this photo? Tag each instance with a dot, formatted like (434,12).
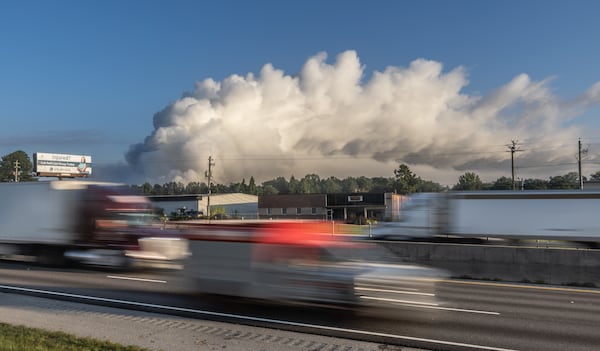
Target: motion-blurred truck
(512,215)
(92,223)
(299,262)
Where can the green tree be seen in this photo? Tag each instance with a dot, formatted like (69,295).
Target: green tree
(350,185)
(567,181)
(535,184)
(502,183)
(252,186)
(406,180)
(468,181)
(269,190)
(382,185)
(279,183)
(331,185)
(310,184)
(157,189)
(196,188)
(595,176)
(7,167)
(293,186)
(217,212)
(146,189)
(365,184)
(236,187)
(220,189)
(173,188)
(427,186)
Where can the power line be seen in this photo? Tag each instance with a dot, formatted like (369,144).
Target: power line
(552,165)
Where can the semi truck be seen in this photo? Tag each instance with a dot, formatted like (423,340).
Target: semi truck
(513,215)
(300,262)
(92,223)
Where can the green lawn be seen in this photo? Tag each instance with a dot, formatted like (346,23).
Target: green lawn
(17,338)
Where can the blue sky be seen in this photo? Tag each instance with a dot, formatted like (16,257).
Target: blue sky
(87,77)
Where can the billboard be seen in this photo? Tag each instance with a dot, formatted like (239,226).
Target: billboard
(61,165)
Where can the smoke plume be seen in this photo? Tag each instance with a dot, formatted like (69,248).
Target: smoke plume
(332,120)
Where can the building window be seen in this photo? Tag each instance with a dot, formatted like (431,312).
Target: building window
(313,210)
(298,210)
(269,211)
(284,211)
(355,198)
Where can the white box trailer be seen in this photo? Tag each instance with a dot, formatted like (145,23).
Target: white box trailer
(549,215)
(89,222)
(39,212)
(559,215)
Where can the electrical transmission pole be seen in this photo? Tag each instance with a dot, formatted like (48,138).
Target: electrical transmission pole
(513,148)
(209,176)
(580,154)
(17,167)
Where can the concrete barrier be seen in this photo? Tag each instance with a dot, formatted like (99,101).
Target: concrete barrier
(506,263)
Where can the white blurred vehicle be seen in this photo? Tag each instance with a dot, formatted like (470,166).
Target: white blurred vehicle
(294,262)
(548,215)
(89,222)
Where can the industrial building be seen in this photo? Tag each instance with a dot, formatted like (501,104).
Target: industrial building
(347,207)
(344,207)
(236,205)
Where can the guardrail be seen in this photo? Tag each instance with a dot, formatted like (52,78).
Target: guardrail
(563,266)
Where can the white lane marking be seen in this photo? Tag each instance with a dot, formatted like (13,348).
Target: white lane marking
(256,319)
(395,291)
(450,309)
(398,301)
(136,279)
(405,289)
(426,305)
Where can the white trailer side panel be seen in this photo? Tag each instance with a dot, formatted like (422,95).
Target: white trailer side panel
(553,215)
(36,212)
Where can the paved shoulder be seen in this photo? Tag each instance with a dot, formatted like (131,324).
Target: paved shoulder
(161,332)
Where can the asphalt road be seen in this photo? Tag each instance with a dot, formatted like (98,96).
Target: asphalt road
(468,315)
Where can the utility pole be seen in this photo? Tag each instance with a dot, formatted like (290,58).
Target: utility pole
(209,176)
(580,155)
(17,167)
(512,149)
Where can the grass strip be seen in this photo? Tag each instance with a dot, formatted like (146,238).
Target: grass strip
(19,338)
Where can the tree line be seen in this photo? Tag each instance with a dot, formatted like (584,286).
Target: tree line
(309,184)
(404,181)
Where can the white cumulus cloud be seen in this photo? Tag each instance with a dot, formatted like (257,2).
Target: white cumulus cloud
(332,119)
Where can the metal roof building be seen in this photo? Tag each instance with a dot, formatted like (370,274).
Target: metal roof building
(236,205)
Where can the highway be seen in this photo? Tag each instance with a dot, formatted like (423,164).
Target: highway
(467,315)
